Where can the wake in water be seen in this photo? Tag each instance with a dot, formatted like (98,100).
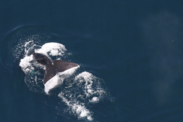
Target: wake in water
(77,92)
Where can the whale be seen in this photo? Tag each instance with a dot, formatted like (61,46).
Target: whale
(56,70)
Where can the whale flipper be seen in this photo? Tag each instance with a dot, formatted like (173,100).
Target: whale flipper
(57,66)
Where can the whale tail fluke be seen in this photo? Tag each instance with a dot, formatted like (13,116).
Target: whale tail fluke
(57,66)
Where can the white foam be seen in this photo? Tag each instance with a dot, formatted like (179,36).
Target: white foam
(54,52)
(94,100)
(58,79)
(25,64)
(53,48)
(80,110)
(85,75)
(89,90)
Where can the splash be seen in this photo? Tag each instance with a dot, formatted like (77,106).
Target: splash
(77,108)
(78,92)
(91,86)
(52,49)
(84,90)
(33,70)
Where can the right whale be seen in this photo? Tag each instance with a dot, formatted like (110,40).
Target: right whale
(54,67)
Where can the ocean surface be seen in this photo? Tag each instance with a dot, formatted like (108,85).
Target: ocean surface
(129,52)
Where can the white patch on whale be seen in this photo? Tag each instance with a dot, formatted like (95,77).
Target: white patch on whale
(58,79)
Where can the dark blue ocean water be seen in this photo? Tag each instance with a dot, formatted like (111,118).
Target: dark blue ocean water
(136,47)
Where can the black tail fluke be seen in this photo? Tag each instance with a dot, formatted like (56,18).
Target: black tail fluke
(57,66)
